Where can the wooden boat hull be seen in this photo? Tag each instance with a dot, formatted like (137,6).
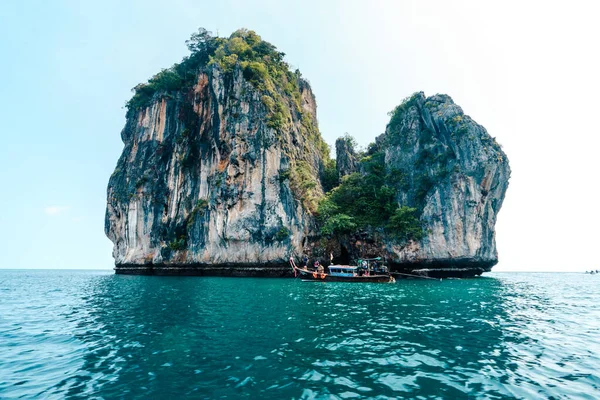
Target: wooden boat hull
(329,278)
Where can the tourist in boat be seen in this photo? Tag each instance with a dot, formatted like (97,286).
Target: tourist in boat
(365,268)
(341,273)
(377,269)
(318,267)
(305,259)
(359,268)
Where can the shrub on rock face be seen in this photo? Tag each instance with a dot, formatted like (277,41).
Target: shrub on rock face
(177,244)
(330,176)
(283,234)
(338,224)
(404,224)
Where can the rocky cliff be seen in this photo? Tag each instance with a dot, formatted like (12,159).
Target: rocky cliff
(457,175)
(346,157)
(219,175)
(223,172)
(438,181)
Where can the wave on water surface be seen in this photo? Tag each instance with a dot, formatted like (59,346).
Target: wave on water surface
(66,334)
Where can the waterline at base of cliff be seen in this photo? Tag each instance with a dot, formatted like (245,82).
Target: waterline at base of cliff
(452,269)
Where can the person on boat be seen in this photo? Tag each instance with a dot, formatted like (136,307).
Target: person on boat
(305,259)
(318,267)
(377,268)
(365,267)
(359,268)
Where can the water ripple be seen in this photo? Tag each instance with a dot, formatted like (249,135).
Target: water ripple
(69,334)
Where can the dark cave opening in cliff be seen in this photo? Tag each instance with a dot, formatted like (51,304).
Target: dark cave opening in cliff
(344,256)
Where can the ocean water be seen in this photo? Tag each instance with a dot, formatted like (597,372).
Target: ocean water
(86,334)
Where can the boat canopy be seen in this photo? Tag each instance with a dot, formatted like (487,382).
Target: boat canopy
(343,267)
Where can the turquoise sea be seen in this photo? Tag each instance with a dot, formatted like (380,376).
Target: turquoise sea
(92,334)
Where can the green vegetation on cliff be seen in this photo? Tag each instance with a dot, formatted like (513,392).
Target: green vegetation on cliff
(280,89)
(201,45)
(262,65)
(367,199)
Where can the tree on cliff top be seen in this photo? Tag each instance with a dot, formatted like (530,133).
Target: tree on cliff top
(202,44)
(260,60)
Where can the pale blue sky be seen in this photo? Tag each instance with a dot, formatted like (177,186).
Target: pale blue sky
(528,73)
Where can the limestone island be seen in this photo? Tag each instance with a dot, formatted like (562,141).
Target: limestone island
(224,172)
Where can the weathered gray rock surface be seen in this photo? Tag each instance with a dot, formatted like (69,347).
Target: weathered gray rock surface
(346,157)
(458,174)
(204,185)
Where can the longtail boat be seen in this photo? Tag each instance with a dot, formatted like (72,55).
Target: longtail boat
(343,273)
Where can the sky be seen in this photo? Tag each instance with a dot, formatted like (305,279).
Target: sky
(527,71)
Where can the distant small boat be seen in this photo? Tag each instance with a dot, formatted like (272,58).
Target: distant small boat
(344,273)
